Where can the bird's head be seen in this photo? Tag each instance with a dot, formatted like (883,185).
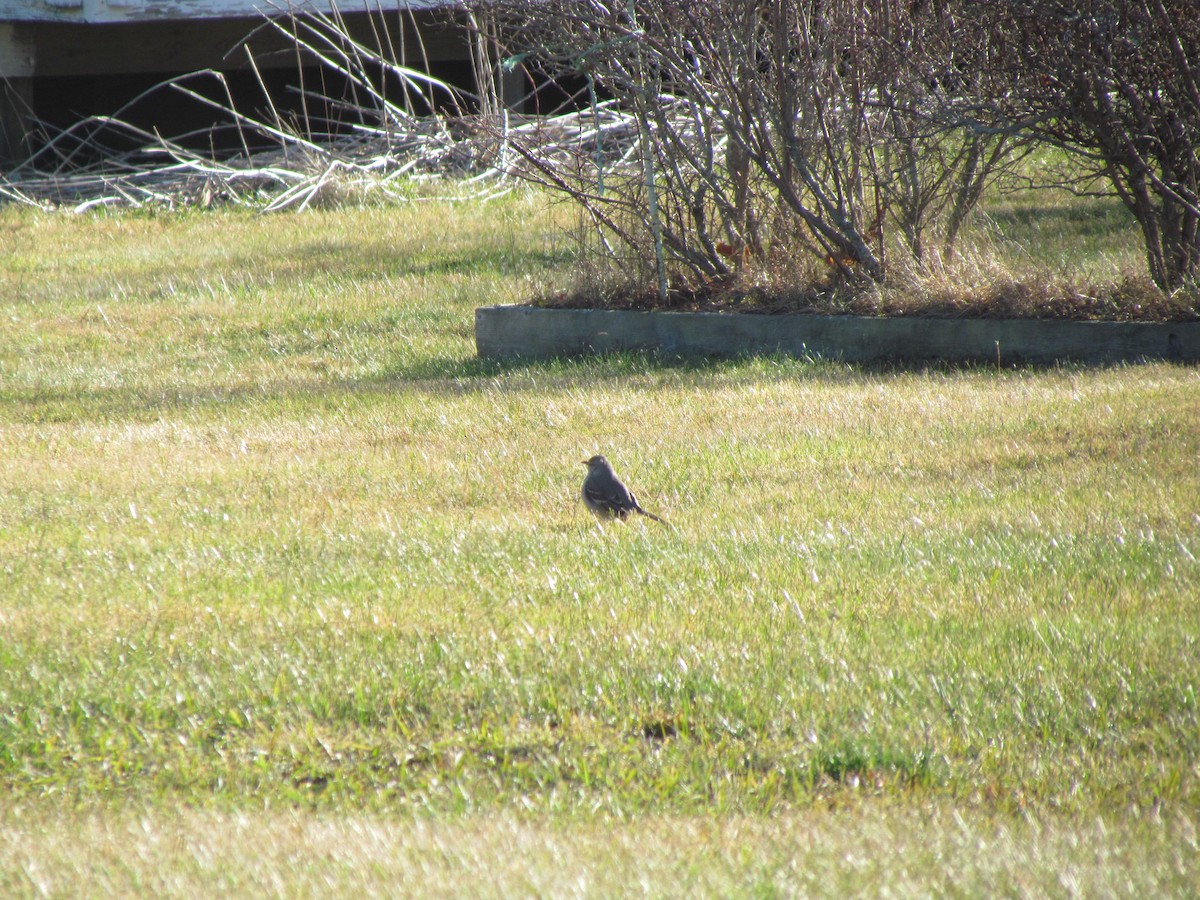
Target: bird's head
(596,461)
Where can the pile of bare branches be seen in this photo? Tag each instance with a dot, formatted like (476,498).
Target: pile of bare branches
(300,171)
(283,161)
(426,131)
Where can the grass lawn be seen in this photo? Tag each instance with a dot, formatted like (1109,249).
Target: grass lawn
(296,595)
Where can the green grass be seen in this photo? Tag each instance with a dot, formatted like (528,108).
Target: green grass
(295,592)
(1096,238)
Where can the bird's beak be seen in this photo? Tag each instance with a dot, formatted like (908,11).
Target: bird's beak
(585,462)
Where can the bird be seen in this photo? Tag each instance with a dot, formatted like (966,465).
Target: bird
(605,495)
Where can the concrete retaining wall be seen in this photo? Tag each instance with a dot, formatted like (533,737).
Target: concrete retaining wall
(507,331)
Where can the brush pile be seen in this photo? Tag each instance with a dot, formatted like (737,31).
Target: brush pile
(383,142)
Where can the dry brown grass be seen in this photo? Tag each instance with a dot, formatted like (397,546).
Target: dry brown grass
(1038,255)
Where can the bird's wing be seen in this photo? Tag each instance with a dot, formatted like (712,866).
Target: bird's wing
(609,493)
(595,495)
(620,497)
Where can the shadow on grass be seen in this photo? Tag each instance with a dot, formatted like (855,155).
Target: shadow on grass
(625,364)
(1046,230)
(438,376)
(376,260)
(458,375)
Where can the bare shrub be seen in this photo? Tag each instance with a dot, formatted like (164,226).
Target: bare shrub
(927,71)
(1118,83)
(766,131)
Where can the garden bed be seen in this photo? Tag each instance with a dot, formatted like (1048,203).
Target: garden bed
(534,332)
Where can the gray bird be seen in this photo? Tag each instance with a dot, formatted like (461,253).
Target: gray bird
(605,495)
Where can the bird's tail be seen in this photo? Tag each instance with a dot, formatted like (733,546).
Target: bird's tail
(651,515)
